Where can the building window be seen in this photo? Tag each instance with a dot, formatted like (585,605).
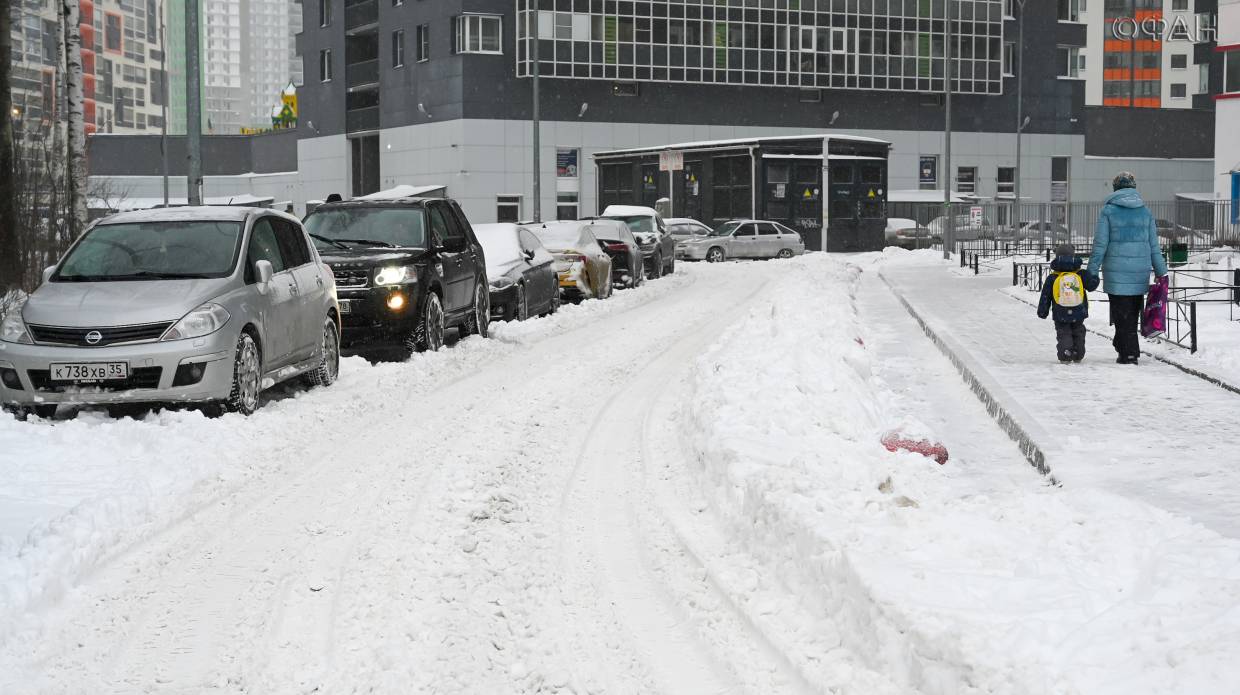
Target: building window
(1179,61)
(966,179)
(398,48)
(1071,62)
(1070,10)
(424,43)
(1009,58)
(325,65)
(1060,167)
(566,206)
(1179,5)
(1231,72)
(1006,179)
(928,172)
(508,208)
(477,33)
(1179,91)
(1009,9)
(325,12)
(112,32)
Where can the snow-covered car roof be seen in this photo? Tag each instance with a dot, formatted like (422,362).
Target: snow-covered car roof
(209,213)
(501,245)
(612,230)
(405,191)
(683,220)
(563,236)
(629,211)
(896,223)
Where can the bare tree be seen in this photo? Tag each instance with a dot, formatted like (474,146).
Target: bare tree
(75,136)
(10,264)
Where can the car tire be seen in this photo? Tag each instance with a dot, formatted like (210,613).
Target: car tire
(715,255)
(656,268)
(247,380)
(479,320)
(328,368)
(427,335)
(784,253)
(22,413)
(554,305)
(671,265)
(638,278)
(521,310)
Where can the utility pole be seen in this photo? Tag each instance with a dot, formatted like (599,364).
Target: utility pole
(163,89)
(949,222)
(537,133)
(193,104)
(1021,121)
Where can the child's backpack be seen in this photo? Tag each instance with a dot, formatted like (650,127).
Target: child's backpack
(1069,290)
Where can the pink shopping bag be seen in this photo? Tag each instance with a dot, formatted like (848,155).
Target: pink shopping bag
(1154,318)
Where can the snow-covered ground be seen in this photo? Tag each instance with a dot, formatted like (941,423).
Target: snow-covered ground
(681,489)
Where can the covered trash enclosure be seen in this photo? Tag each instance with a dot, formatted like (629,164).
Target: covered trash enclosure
(837,202)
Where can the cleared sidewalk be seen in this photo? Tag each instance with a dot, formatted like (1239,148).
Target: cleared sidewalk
(1150,432)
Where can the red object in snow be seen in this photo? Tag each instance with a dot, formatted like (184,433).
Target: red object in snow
(895,441)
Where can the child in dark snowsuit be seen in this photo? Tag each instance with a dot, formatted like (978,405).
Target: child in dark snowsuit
(1064,296)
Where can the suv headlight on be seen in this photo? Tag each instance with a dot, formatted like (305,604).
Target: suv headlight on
(204,320)
(13,329)
(396,275)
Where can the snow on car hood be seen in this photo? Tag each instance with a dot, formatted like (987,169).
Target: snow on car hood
(86,304)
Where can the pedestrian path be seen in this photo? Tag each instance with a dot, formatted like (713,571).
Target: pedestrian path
(1149,432)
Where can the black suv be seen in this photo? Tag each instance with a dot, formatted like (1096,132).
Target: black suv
(405,270)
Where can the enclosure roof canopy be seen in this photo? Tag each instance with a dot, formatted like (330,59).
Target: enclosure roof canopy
(739,143)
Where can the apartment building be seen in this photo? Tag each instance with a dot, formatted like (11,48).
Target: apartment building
(1227,107)
(1144,53)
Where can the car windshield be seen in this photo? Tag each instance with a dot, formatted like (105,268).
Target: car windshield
(402,227)
(639,224)
(725,229)
(153,251)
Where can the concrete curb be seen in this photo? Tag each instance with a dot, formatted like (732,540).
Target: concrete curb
(1011,417)
(1210,378)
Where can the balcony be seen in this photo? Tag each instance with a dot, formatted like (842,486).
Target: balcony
(361,14)
(362,74)
(359,120)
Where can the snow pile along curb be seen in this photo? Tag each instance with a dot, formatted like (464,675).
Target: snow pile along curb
(942,582)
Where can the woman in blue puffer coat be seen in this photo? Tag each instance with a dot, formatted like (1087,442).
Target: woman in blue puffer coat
(1125,251)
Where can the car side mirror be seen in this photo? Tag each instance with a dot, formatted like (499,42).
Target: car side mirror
(48,272)
(264,271)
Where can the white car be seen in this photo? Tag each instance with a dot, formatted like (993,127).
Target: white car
(744,239)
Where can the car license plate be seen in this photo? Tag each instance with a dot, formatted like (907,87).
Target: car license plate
(78,372)
(346,306)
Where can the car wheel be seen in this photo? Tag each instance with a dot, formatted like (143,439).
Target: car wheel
(479,321)
(556,301)
(785,253)
(329,357)
(656,268)
(714,255)
(638,276)
(523,306)
(21,413)
(671,265)
(247,377)
(428,332)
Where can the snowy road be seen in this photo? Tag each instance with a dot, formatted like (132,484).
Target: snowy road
(422,526)
(678,490)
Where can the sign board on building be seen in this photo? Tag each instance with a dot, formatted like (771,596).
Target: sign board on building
(671,160)
(566,163)
(928,172)
(975,215)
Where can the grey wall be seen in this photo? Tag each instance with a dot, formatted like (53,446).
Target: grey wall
(222,155)
(1124,132)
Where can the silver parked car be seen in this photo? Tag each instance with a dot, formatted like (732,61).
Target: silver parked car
(743,239)
(201,305)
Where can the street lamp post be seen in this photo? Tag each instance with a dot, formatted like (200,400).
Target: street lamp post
(1021,119)
(537,134)
(949,226)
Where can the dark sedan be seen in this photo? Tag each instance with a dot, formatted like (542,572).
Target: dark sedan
(521,272)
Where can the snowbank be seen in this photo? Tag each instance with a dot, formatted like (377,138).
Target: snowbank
(943,583)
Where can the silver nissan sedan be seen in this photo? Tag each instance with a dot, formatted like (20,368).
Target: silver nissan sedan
(192,305)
